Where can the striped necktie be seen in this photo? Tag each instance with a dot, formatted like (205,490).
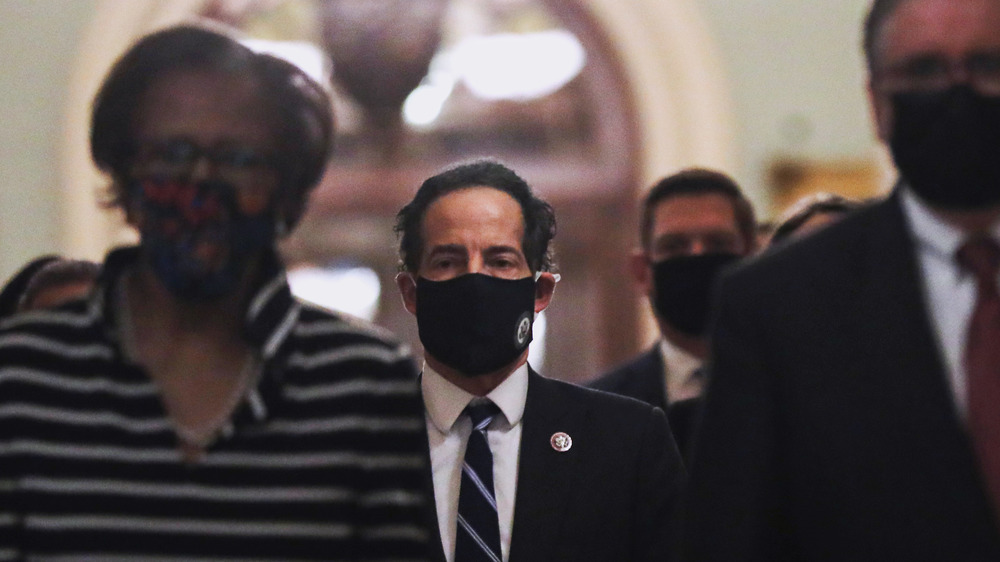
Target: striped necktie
(981,257)
(478,534)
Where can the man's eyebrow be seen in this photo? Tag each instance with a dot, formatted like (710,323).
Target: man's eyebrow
(504,249)
(671,236)
(447,249)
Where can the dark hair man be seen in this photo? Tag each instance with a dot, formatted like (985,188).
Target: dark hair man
(853,409)
(190,408)
(693,224)
(555,471)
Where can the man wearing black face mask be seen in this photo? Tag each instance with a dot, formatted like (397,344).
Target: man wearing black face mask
(592,476)
(694,223)
(854,407)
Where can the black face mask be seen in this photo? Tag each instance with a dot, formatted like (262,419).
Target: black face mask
(475,323)
(683,289)
(946,145)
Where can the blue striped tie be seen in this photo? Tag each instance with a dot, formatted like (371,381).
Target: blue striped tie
(478,536)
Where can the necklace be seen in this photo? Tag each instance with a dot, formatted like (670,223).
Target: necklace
(200,436)
(204,434)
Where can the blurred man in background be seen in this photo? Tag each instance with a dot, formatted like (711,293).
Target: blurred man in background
(853,411)
(694,223)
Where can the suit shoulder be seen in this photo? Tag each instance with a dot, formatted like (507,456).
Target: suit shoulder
(818,262)
(614,379)
(600,400)
(641,378)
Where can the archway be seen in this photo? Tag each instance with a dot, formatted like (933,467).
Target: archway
(668,109)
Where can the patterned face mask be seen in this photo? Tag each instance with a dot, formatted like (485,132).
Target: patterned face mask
(195,237)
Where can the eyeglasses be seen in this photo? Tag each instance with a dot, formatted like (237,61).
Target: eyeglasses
(931,72)
(179,156)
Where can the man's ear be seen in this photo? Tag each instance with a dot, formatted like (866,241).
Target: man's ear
(545,286)
(638,265)
(407,285)
(881,111)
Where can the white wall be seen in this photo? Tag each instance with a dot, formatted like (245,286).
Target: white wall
(38,42)
(798,80)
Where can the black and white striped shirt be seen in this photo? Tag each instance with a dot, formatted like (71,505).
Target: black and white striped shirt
(322,460)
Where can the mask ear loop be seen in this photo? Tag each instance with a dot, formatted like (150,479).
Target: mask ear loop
(557,276)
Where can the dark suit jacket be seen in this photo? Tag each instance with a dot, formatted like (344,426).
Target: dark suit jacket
(611,497)
(642,379)
(829,430)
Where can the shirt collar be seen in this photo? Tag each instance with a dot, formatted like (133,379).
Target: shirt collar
(270,315)
(444,401)
(933,235)
(677,361)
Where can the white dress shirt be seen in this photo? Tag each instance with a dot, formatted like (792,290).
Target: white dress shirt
(949,290)
(681,375)
(448,432)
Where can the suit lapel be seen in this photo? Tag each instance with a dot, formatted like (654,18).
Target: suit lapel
(909,380)
(900,340)
(545,477)
(651,378)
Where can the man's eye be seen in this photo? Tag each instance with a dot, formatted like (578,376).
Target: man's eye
(986,65)
(673,247)
(720,244)
(926,68)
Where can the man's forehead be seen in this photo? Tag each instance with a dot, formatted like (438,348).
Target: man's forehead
(489,213)
(940,27)
(473,196)
(696,211)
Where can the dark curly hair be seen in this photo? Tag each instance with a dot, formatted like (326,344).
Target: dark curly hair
(302,120)
(539,218)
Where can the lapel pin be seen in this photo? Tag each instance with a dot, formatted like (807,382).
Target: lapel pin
(561,442)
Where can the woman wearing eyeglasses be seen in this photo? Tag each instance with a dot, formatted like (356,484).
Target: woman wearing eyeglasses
(192,408)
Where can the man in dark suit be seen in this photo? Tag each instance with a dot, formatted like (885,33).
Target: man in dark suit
(572,473)
(693,224)
(853,409)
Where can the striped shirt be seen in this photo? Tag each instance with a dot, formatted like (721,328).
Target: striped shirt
(323,459)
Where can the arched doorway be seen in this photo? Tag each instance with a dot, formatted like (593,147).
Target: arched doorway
(585,146)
